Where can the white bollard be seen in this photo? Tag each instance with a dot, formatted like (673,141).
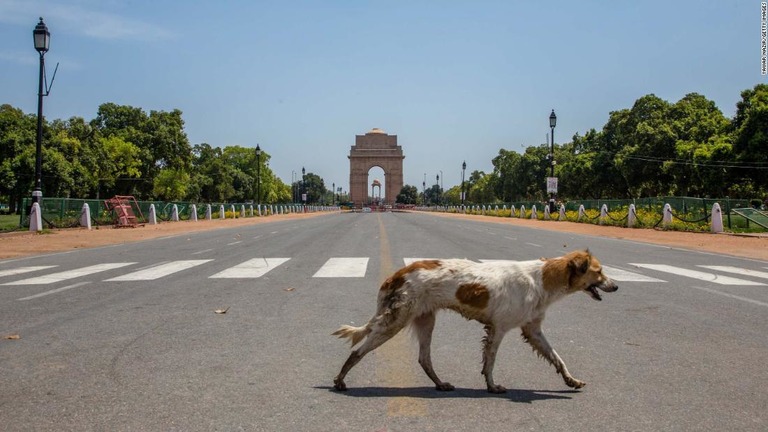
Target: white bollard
(152,215)
(603,213)
(522,211)
(242,210)
(232,209)
(717,218)
(667,218)
(546,212)
(511,211)
(222,215)
(193,213)
(631,216)
(582,212)
(35,218)
(85,216)
(208,213)
(251,209)
(175,213)
(534,213)
(562,212)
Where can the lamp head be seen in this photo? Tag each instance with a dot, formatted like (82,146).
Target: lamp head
(42,37)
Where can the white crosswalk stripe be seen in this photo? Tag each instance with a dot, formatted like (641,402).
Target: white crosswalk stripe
(737,270)
(409,261)
(343,267)
(253,268)
(694,274)
(159,271)
(622,275)
(22,270)
(70,274)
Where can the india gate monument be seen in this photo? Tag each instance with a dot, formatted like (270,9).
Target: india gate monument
(375,149)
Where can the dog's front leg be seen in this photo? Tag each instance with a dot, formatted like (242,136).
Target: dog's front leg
(491,343)
(533,335)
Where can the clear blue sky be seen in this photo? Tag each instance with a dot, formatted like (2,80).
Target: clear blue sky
(455,80)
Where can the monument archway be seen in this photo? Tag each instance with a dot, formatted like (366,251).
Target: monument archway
(375,149)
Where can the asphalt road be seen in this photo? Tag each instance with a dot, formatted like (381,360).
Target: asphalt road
(131,341)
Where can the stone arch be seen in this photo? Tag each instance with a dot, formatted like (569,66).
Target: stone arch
(375,149)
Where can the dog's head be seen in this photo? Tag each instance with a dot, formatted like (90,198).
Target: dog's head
(586,274)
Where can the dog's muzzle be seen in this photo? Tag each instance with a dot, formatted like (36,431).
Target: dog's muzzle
(607,286)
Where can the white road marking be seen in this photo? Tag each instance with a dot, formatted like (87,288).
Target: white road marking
(21,270)
(738,270)
(234,243)
(201,252)
(533,244)
(709,277)
(70,274)
(159,271)
(253,268)
(343,267)
(744,299)
(621,275)
(510,238)
(53,291)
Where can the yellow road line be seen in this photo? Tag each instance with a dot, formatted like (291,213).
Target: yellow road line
(394,357)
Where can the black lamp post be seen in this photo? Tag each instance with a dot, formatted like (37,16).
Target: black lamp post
(463,168)
(552,124)
(437,187)
(258,174)
(42,39)
(303,185)
(333,194)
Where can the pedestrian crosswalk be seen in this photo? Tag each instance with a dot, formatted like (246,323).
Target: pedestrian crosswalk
(345,267)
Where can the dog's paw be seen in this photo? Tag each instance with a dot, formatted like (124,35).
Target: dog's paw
(445,387)
(574,383)
(339,385)
(496,389)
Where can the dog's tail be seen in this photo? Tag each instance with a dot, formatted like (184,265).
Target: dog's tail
(355,334)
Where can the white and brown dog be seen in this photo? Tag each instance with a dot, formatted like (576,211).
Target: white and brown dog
(500,295)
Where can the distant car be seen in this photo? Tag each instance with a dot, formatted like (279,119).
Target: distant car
(366,209)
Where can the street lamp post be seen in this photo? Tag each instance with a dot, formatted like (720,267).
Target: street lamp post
(437,186)
(441,186)
(258,174)
(42,38)
(303,185)
(333,194)
(552,124)
(463,168)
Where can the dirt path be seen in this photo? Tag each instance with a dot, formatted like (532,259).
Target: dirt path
(16,245)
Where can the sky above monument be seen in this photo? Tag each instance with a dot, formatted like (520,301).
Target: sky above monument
(454,80)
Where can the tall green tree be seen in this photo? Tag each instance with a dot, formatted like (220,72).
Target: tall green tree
(408,195)
(17,155)
(750,137)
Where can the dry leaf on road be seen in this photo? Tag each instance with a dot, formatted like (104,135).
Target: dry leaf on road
(222,311)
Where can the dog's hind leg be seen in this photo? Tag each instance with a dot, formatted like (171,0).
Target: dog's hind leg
(533,335)
(491,343)
(379,334)
(423,327)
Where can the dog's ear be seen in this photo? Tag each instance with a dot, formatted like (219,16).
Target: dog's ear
(580,262)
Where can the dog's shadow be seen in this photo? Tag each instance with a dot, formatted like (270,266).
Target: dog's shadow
(513,395)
